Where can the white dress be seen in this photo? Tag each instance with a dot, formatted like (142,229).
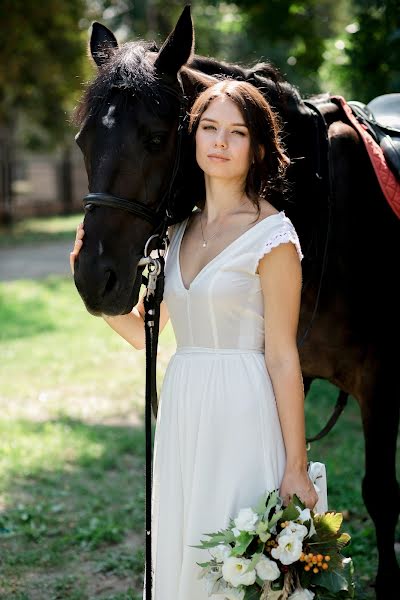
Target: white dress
(218,443)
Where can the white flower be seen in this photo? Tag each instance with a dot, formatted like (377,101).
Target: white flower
(210,578)
(235,531)
(246,519)
(289,549)
(301,594)
(296,529)
(220,552)
(227,592)
(305,515)
(233,571)
(267,569)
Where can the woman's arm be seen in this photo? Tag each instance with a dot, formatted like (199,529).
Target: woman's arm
(280,273)
(131,326)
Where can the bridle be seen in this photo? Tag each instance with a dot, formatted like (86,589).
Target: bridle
(160,218)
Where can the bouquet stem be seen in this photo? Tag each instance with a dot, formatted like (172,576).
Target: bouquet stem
(290,582)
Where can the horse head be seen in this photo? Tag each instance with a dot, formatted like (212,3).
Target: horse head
(128,135)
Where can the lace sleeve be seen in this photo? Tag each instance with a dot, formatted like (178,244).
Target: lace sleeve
(285,233)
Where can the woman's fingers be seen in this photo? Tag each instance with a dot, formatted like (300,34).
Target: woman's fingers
(77,246)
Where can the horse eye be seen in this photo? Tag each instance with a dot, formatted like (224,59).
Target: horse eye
(157,139)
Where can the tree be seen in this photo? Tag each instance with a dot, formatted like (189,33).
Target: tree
(42,53)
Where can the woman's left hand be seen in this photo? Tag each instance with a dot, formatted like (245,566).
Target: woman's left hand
(298,482)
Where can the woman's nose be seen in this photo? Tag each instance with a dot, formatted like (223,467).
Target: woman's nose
(220,139)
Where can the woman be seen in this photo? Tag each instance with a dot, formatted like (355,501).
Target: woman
(230,422)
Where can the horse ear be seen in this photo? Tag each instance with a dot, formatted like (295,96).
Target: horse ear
(178,46)
(102,43)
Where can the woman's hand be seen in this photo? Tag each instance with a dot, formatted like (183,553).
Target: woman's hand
(77,246)
(298,482)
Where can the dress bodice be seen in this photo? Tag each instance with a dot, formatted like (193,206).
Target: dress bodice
(224,306)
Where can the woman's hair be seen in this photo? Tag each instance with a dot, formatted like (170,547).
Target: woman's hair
(266,176)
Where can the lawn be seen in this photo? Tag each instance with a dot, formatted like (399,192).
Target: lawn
(72,452)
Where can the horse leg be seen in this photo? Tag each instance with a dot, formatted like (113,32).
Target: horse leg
(380,490)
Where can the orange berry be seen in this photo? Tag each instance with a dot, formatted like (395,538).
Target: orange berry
(307,567)
(319,564)
(327,558)
(310,556)
(314,559)
(320,557)
(325,566)
(315,570)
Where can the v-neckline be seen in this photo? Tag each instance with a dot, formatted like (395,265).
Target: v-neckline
(210,262)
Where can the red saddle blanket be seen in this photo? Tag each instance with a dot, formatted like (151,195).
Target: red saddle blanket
(387,181)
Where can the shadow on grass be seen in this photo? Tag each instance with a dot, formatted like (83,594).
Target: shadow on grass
(73,515)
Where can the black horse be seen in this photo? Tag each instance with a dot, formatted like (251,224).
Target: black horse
(350,321)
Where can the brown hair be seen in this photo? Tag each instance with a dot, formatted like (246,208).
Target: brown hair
(266,176)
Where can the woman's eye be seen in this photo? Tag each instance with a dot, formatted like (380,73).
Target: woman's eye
(239,132)
(208,127)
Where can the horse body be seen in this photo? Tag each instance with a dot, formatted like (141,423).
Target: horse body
(349,322)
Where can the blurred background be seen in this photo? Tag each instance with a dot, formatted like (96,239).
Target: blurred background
(72,392)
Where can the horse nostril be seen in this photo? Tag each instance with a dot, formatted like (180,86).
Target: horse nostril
(110,283)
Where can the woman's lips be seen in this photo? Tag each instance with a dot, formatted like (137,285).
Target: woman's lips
(217,158)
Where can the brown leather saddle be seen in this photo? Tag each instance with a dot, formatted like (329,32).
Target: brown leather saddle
(381,117)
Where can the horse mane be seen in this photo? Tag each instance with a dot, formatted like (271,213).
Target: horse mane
(263,75)
(129,69)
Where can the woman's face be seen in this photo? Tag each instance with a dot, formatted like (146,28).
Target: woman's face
(222,133)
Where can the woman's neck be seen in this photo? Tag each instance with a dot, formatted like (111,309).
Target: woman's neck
(222,197)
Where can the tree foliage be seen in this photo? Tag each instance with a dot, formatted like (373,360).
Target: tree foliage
(42,53)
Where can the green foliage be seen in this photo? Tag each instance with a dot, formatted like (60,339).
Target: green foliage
(43,58)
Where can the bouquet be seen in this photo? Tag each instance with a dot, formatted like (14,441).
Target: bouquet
(272,552)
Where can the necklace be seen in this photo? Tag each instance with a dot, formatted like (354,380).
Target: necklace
(205,241)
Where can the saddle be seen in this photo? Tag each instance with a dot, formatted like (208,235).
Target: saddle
(381,119)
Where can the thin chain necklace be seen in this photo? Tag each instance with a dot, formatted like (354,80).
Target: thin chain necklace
(205,241)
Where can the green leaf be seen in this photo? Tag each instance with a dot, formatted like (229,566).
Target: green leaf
(259,508)
(290,513)
(252,593)
(254,561)
(242,543)
(331,580)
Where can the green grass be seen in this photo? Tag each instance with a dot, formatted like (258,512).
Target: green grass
(44,229)
(72,454)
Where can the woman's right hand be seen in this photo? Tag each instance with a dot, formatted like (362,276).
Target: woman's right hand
(80,232)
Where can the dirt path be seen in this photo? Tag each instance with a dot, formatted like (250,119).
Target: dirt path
(35,261)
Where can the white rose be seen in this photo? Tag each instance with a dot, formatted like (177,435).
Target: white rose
(288,550)
(227,592)
(301,594)
(220,552)
(233,571)
(296,529)
(267,569)
(246,519)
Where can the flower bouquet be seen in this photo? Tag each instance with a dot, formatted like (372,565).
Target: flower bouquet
(272,552)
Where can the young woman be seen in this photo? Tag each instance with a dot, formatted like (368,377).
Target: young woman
(230,422)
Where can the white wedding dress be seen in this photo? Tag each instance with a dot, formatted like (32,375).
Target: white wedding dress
(218,444)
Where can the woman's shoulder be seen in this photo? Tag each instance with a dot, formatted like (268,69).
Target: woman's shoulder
(276,228)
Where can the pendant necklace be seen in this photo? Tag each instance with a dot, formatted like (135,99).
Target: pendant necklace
(205,241)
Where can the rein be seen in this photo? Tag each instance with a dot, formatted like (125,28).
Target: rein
(154,283)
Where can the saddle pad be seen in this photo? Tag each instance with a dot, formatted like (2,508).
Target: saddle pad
(387,181)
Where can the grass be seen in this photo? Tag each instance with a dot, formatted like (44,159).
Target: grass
(72,454)
(44,229)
